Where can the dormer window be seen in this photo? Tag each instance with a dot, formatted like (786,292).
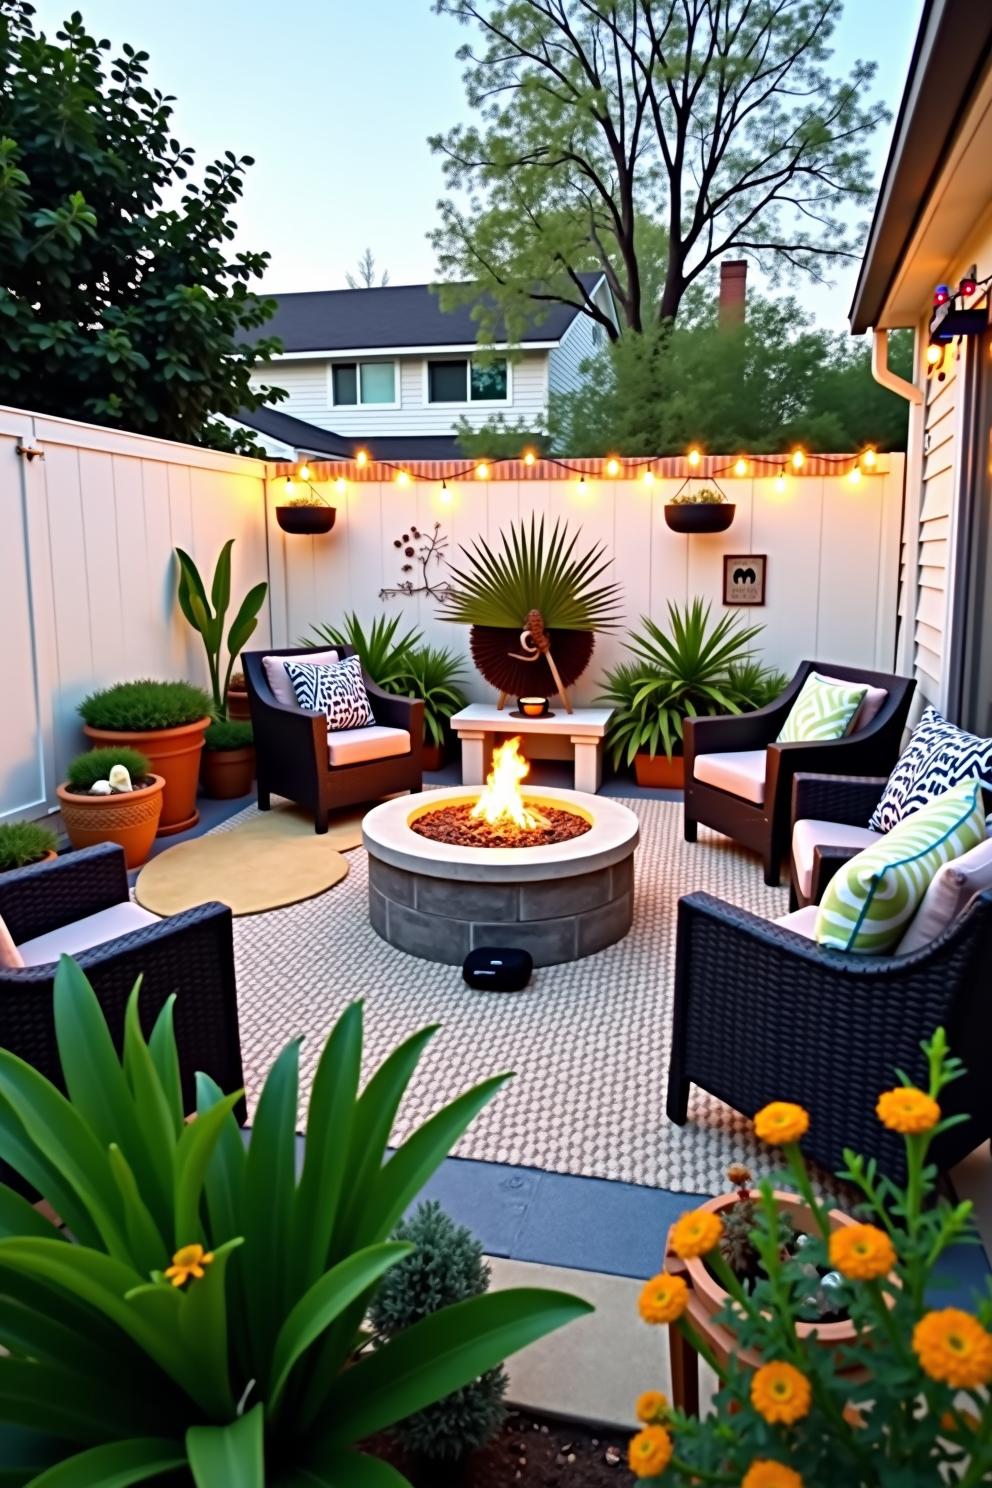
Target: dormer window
(357,384)
(459,380)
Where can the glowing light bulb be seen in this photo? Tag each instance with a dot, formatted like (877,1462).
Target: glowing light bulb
(340,484)
(529,457)
(694,456)
(612,466)
(582,482)
(402,478)
(934,354)
(740,466)
(798,459)
(648,477)
(869,459)
(482,471)
(289,484)
(361,457)
(780,482)
(444,495)
(854,475)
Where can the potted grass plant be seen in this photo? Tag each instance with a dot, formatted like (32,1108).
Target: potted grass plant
(434,674)
(700,509)
(96,808)
(201,1316)
(674,674)
(227,765)
(165,722)
(24,843)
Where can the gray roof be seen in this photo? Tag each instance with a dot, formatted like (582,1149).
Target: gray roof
(399,315)
(314,441)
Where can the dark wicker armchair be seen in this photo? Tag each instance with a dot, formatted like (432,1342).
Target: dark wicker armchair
(846,800)
(191,954)
(291,747)
(762,1014)
(765,825)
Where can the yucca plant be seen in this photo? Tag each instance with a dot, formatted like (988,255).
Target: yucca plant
(753,685)
(209,622)
(673,676)
(502,587)
(434,674)
(244,1361)
(384,656)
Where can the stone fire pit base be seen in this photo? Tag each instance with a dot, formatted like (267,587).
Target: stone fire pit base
(559,902)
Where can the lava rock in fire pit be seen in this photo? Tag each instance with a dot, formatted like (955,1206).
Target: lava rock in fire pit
(457,826)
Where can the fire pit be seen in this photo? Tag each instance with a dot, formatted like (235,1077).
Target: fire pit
(549,871)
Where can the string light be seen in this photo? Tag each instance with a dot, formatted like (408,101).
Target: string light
(869,459)
(482,471)
(304,472)
(648,477)
(582,483)
(694,457)
(444,495)
(935,353)
(798,459)
(361,457)
(613,466)
(854,475)
(402,478)
(780,482)
(740,466)
(340,485)
(529,457)
(289,484)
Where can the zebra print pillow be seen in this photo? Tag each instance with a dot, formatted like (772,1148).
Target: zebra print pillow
(938,756)
(336,690)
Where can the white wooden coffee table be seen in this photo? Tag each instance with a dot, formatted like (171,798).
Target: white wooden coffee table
(584,728)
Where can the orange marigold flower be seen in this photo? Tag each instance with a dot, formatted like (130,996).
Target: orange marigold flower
(952,1346)
(651,1407)
(781,1122)
(696,1233)
(663,1299)
(862,1252)
(767,1474)
(907,1110)
(188,1262)
(650,1452)
(780,1393)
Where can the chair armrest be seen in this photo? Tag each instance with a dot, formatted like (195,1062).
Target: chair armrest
(287,733)
(395,711)
(47,896)
(826,862)
(848,799)
(728,731)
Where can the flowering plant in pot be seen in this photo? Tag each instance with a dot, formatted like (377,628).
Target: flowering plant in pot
(112,795)
(166,722)
(902,1399)
(24,843)
(227,765)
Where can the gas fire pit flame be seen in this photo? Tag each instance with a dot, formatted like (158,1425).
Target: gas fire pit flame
(501,800)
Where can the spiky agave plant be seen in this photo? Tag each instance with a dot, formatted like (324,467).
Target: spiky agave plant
(384,655)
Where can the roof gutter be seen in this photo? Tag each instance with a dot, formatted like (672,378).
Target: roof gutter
(884,376)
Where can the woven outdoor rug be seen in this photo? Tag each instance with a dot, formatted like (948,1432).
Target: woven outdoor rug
(588,1041)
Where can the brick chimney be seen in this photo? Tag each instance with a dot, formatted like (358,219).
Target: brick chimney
(733,291)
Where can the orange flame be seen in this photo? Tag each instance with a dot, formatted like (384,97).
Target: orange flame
(501,799)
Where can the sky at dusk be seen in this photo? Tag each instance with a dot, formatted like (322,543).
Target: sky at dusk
(335,100)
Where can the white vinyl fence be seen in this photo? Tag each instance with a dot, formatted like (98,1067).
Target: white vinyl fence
(87,573)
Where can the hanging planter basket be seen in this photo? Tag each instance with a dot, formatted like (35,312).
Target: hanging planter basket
(491,646)
(307,521)
(699,516)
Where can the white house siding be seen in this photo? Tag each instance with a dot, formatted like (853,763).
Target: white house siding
(578,344)
(938,480)
(307,384)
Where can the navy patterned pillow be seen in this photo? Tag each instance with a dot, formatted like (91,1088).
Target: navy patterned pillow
(938,756)
(336,690)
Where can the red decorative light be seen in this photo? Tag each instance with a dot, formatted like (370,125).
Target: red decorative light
(941,294)
(967,286)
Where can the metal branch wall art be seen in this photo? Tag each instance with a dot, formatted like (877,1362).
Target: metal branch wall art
(420,550)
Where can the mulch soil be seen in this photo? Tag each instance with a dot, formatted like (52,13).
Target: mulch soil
(531,1451)
(457,826)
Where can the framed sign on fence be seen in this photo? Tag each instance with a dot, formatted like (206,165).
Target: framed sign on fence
(744,578)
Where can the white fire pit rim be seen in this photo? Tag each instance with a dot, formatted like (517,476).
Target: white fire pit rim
(387,835)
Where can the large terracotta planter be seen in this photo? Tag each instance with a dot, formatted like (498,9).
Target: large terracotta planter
(129,818)
(659,772)
(175,755)
(237,704)
(226,774)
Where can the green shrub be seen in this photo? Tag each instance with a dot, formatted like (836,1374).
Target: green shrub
(228,733)
(144,706)
(22,843)
(434,673)
(86,769)
(753,685)
(445,1266)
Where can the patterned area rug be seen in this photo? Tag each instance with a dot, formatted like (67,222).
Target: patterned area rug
(588,1041)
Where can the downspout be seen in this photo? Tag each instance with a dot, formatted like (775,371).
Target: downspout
(909,542)
(881,373)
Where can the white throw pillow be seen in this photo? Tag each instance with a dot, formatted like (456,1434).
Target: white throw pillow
(952,890)
(274,668)
(337,691)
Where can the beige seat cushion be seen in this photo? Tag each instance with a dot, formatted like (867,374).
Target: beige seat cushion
(278,678)
(810,834)
(359,746)
(870,706)
(10,956)
(81,935)
(951,891)
(740,771)
(802,921)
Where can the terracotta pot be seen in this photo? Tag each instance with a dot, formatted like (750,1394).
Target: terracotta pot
(227,773)
(700,516)
(237,704)
(434,756)
(130,819)
(45,858)
(305,520)
(660,772)
(175,755)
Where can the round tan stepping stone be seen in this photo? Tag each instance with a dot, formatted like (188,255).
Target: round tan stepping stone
(247,869)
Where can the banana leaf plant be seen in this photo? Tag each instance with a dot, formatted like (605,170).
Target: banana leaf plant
(207,616)
(201,1314)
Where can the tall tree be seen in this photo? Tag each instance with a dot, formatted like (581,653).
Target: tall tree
(120,301)
(365,276)
(718,121)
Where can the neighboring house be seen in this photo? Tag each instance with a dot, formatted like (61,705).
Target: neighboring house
(390,371)
(932,224)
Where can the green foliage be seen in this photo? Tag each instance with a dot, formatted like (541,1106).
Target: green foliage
(228,733)
(445,1266)
(672,677)
(703,496)
(774,382)
(646,143)
(96,764)
(119,300)
(386,657)
(306,500)
(499,438)
(254,1367)
(502,587)
(884,1419)
(752,685)
(143,706)
(209,622)
(22,843)
(434,674)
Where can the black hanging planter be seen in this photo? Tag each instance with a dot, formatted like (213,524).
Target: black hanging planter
(306,520)
(699,516)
